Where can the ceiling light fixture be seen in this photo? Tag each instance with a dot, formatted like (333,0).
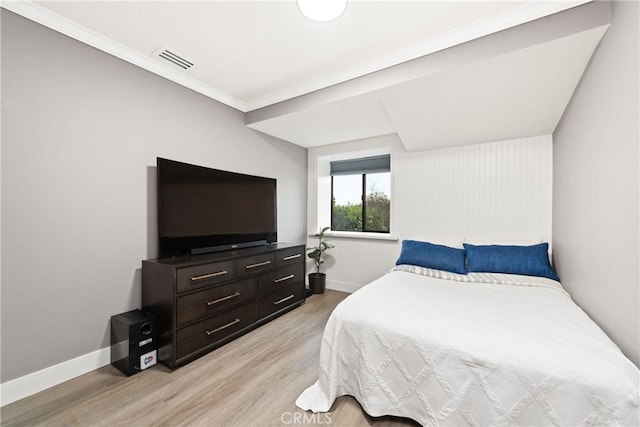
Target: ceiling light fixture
(322,10)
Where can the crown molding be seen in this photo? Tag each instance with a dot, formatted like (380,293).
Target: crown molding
(76,31)
(520,15)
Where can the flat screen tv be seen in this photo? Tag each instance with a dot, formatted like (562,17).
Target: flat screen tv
(206,210)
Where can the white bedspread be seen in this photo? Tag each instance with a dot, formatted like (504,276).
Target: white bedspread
(444,352)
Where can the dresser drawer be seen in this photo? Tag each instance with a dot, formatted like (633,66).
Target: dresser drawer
(207,332)
(214,300)
(204,275)
(280,278)
(290,256)
(254,264)
(280,299)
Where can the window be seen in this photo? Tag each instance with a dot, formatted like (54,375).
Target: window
(361,194)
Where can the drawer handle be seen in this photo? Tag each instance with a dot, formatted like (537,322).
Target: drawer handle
(213,331)
(283,300)
(258,264)
(282,279)
(208,276)
(290,257)
(216,301)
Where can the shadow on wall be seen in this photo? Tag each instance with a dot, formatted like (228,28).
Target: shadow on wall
(329,262)
(285,149)
(152,214)
(134,301)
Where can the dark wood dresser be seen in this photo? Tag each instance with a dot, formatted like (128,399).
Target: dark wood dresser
(204,301)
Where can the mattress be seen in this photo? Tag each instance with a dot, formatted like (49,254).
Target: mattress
(478,349)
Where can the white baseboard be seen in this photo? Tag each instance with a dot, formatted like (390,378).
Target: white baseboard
(35,382)
(343,286)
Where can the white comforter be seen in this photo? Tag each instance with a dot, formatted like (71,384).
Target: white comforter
(444,352)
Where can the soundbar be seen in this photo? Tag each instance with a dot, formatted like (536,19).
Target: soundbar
(200,251)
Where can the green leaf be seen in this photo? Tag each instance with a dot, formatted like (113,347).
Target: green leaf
(316,253)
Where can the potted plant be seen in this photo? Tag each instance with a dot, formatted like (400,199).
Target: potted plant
(317,280)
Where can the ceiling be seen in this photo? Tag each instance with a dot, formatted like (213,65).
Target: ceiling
(421,69)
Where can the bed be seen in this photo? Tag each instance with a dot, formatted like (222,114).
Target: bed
(473,349)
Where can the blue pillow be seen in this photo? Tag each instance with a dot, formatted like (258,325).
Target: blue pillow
(429,255)
(526,260)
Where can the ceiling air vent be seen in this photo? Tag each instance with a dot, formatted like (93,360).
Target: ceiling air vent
(174,59)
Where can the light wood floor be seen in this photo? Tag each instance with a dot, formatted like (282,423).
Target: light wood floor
(252,381)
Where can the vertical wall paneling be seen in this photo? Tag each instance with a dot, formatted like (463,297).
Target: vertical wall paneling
(499,191)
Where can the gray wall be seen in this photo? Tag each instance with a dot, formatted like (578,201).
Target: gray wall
(596,185)
(80,134)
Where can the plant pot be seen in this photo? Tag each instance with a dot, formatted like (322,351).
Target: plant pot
(317,282)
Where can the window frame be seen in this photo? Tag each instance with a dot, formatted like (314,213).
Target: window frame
(319,183)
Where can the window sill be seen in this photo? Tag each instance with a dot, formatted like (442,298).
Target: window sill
(359,235)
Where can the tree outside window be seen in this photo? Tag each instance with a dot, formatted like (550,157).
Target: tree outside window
(361,195)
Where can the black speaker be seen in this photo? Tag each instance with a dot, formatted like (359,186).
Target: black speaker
(133,341)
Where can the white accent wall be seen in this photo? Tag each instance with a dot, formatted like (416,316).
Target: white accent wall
(499,191)
(81,131)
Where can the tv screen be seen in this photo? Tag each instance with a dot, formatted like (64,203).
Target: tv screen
(202,209)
